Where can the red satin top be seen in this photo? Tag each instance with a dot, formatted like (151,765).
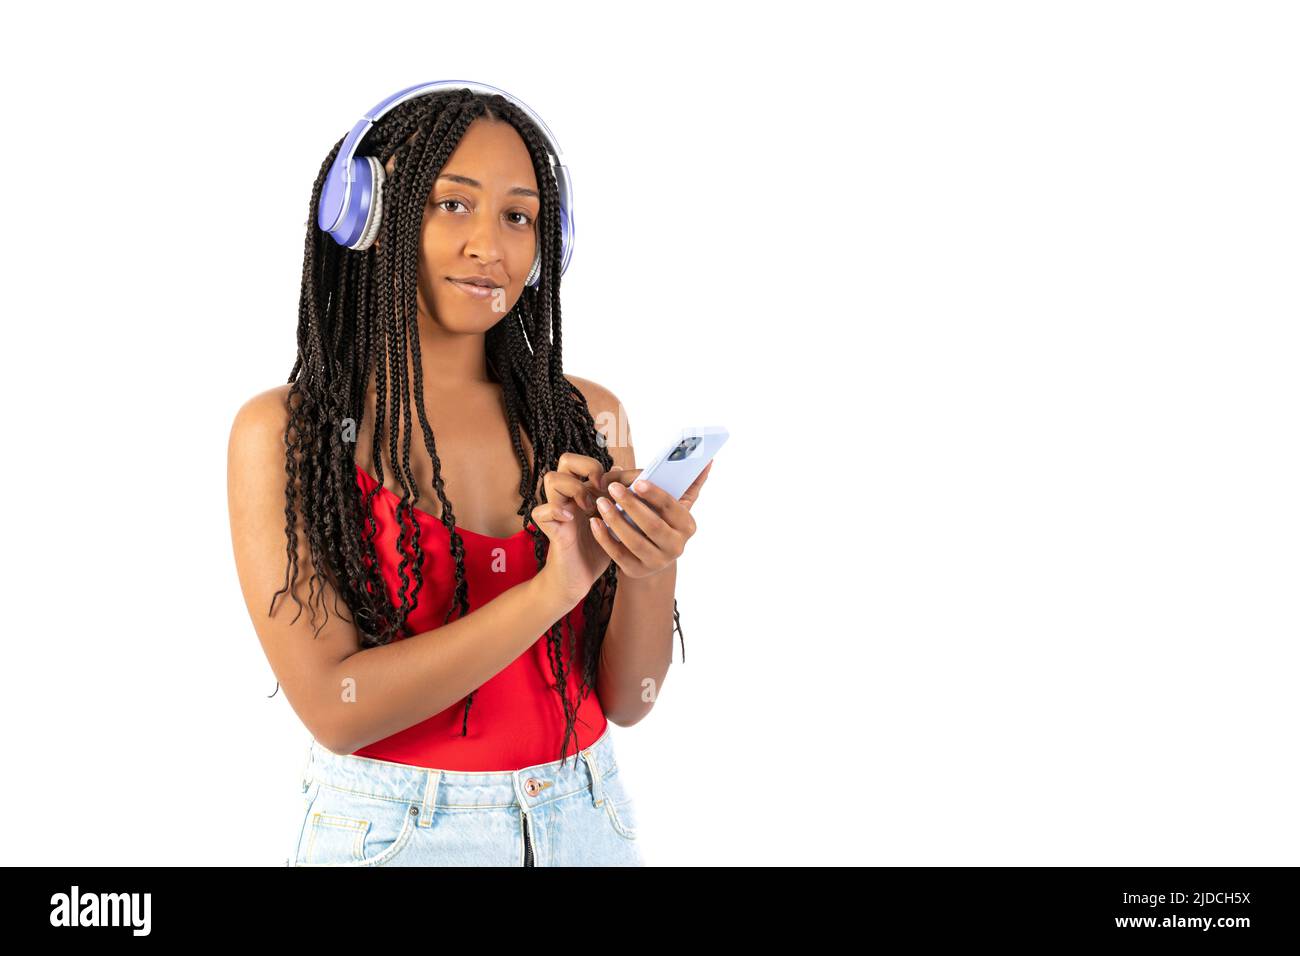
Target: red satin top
(516,719)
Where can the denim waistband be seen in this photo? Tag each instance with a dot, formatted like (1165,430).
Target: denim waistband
(428,787)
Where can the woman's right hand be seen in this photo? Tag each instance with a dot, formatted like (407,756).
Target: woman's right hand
(575,558)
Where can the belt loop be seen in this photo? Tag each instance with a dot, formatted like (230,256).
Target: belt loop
(431,780)
(306,768)
(597,790)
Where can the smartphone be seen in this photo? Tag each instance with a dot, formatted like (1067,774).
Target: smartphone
(680,462)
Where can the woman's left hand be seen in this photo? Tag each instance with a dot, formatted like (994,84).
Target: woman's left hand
(665,522)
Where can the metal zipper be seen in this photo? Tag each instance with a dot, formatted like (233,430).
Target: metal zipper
(528,844)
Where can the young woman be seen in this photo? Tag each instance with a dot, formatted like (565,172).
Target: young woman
(452,711)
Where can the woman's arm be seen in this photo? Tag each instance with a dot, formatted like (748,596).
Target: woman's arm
(638,647)
(348,697)
(402,683)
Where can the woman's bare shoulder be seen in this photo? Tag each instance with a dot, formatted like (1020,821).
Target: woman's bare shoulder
(610,418)
(599,398)
(257,433)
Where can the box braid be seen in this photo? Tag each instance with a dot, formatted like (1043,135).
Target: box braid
(357,313)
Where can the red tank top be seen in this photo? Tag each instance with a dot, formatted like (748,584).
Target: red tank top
(516,719)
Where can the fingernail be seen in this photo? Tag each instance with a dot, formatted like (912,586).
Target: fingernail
(602,504)
(594,523)
(616,489)
(566,512)
(642,486)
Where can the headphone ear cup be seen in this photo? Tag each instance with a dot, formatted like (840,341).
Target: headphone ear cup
(536,271)
(375,214)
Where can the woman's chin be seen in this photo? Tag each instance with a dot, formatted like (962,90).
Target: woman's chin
(468,321)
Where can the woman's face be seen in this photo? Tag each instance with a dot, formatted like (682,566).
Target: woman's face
(480,221)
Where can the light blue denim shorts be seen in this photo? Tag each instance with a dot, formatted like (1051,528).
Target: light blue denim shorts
(359,811)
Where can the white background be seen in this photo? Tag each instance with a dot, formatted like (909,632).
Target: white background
(998,301)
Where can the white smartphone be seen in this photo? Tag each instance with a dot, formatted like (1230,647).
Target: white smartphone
(681,461)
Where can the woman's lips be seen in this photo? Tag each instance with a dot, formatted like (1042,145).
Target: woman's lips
(476,291)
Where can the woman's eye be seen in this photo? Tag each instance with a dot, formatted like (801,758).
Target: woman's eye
(443,203)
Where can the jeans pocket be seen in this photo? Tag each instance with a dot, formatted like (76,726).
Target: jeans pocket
(345,828)
(620,807)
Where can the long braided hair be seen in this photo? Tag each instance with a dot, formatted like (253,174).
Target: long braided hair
(358,308)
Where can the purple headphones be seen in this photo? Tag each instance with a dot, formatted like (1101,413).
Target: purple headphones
(352,200)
